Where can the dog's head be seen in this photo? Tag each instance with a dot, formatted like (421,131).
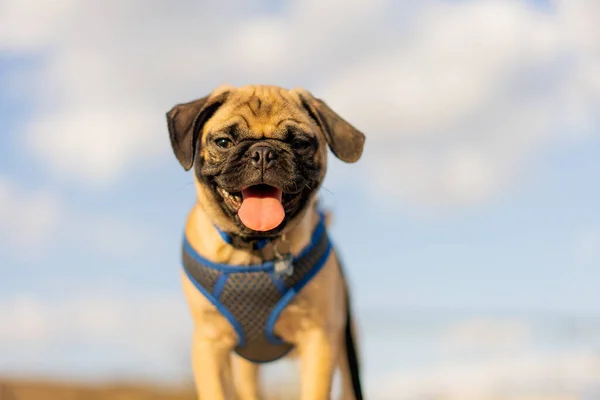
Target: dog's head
(259,153)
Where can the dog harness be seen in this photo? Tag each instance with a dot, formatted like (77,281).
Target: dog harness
(252,297)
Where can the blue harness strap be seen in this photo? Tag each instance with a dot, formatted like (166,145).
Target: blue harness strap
(227,239)
(252,297)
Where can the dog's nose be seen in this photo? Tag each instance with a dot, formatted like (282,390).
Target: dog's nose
(263,156)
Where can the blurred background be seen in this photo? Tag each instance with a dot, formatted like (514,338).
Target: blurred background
(470,228)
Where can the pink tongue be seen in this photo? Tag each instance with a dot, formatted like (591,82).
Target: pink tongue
(261,208)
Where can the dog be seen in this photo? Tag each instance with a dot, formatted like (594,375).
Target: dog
(260,275)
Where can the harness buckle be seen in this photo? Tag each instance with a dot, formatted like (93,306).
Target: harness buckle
(283,265)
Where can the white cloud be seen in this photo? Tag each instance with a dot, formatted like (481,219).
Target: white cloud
(92,146)
(26,218)
(471,98)
(43,23)
(455,98)
(32,222)
(514,376)
(457,58)
(586,248)
(489,335)
(149,330)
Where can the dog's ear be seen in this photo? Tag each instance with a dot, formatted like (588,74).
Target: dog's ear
(185,122)
(344,140)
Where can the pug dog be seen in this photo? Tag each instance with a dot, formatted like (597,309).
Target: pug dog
(260,275)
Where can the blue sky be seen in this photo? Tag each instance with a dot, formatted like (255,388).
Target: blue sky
(520,243)
(475,194)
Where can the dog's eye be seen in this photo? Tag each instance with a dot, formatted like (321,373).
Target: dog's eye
(300,144)
(223,143)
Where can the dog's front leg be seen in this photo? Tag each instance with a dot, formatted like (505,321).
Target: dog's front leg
(212,368)
(247,379)
(318,352)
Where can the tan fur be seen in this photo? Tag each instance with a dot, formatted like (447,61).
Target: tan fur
(314,321)
(278,108)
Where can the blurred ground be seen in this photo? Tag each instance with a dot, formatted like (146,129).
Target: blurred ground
(48,390)
(39,390)
(29,389)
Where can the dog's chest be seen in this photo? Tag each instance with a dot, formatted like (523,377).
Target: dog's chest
(254,297)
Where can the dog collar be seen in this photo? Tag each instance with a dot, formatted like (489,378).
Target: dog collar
(256,244)
(267,266)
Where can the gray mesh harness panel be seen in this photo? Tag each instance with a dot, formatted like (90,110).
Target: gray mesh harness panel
(252,297)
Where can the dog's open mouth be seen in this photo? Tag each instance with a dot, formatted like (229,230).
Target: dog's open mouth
(260,207)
